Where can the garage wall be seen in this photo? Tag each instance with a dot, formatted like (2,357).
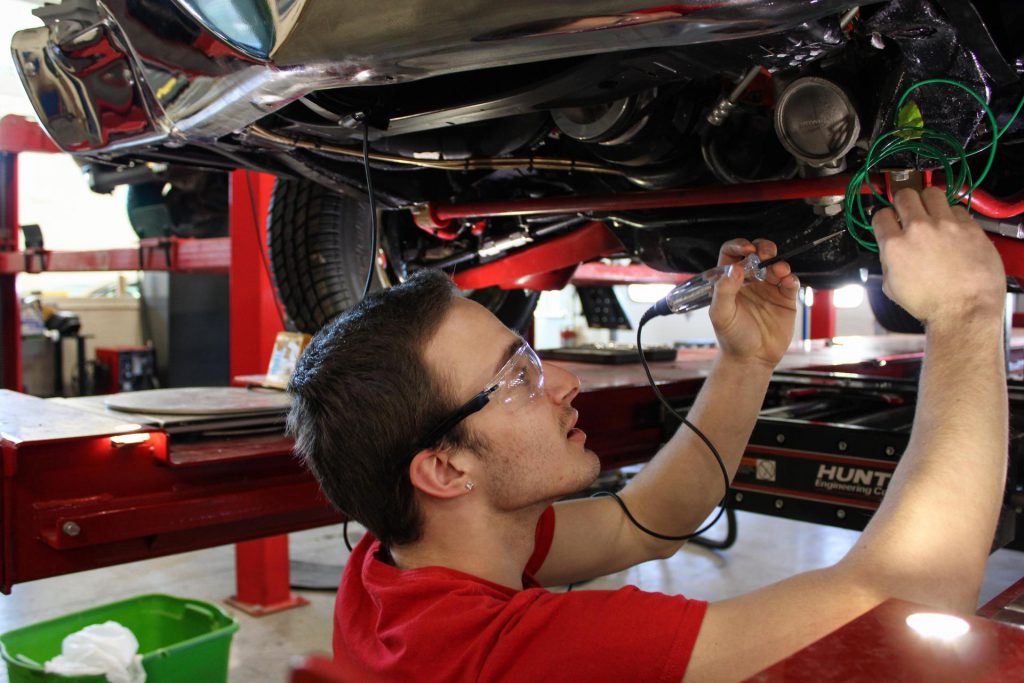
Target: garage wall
(106,322)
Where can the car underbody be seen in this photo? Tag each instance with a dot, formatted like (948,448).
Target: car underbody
(653,134)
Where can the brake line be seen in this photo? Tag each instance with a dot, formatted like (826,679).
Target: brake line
(490,163)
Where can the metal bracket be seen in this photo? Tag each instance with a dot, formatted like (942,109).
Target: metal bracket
(903,178)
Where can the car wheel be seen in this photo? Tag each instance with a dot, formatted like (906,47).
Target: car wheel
(319,251)
(890,315)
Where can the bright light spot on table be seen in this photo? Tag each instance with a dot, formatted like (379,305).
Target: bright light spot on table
(129,439)
(944,627)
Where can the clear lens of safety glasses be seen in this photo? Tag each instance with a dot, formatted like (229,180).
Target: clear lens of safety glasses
(521,379)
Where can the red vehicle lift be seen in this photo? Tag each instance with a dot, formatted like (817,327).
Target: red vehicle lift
(276,496)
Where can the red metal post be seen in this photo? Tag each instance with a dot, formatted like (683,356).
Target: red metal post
(255,316)
(17,134)
(10,311)
(261,577)
(261,566)
(823,315)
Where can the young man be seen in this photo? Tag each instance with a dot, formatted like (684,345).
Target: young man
(437,428)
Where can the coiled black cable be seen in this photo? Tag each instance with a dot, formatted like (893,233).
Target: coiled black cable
(703,437)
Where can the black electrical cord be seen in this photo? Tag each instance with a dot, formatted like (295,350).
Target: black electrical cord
(714,451)
(373,206)
(373,246)
(344,533)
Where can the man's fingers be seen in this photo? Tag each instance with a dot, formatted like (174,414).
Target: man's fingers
(780,270)
(961,214)
(735,250)
(909,206)
(766,249)
(936,203)
(723,298)
(886,225)
(790,283)
(789,288)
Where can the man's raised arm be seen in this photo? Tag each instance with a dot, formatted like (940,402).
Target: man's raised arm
(676,491)
(682,484)
(930,538)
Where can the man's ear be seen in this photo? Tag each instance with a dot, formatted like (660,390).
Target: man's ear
(435,473)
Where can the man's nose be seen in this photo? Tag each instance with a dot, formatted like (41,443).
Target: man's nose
(561,385)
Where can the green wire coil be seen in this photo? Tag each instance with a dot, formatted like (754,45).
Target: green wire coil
(926,143)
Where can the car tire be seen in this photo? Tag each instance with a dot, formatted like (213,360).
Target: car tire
(319,243)
(890,315)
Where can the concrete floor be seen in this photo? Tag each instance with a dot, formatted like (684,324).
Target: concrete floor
(767,550)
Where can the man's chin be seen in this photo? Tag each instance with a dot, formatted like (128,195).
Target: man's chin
(591,476)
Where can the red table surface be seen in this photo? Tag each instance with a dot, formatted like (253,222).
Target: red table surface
(879,646)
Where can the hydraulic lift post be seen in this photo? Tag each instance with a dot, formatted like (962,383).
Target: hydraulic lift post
(10,314)
(262,571)
(17,134)
(823,315)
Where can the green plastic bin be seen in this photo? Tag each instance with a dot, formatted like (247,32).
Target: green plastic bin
(179,640)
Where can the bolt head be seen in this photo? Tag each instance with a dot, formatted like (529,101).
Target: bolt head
(890,450)
(841,514)
(779,503)
(780,438)
(71,529)
(842,446)
(739,497)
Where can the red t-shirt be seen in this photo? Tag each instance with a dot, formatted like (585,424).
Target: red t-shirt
(438,624)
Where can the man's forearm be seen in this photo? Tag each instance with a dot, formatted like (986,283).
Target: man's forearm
(679,487)
(939,515)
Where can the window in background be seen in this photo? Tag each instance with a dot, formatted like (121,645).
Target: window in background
(850,296)
(549,305)
(53,193)
(647,293)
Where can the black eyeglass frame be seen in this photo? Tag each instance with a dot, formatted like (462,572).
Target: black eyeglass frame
(473,405)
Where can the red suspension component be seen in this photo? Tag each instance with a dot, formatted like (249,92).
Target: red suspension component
(440,215)
(994,207)
(436,218)
(425,218)
(524,269)
(548,265)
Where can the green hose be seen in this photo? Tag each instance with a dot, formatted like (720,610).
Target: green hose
(927,144)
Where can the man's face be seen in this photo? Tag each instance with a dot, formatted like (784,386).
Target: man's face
(533,453)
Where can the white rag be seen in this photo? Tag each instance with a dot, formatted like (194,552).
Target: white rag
(107,648)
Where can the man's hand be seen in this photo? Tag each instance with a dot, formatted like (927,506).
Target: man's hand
(754,323)
(937,262)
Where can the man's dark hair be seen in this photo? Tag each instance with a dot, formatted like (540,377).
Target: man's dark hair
(363,397)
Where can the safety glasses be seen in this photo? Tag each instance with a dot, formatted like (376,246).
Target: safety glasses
(520,381)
